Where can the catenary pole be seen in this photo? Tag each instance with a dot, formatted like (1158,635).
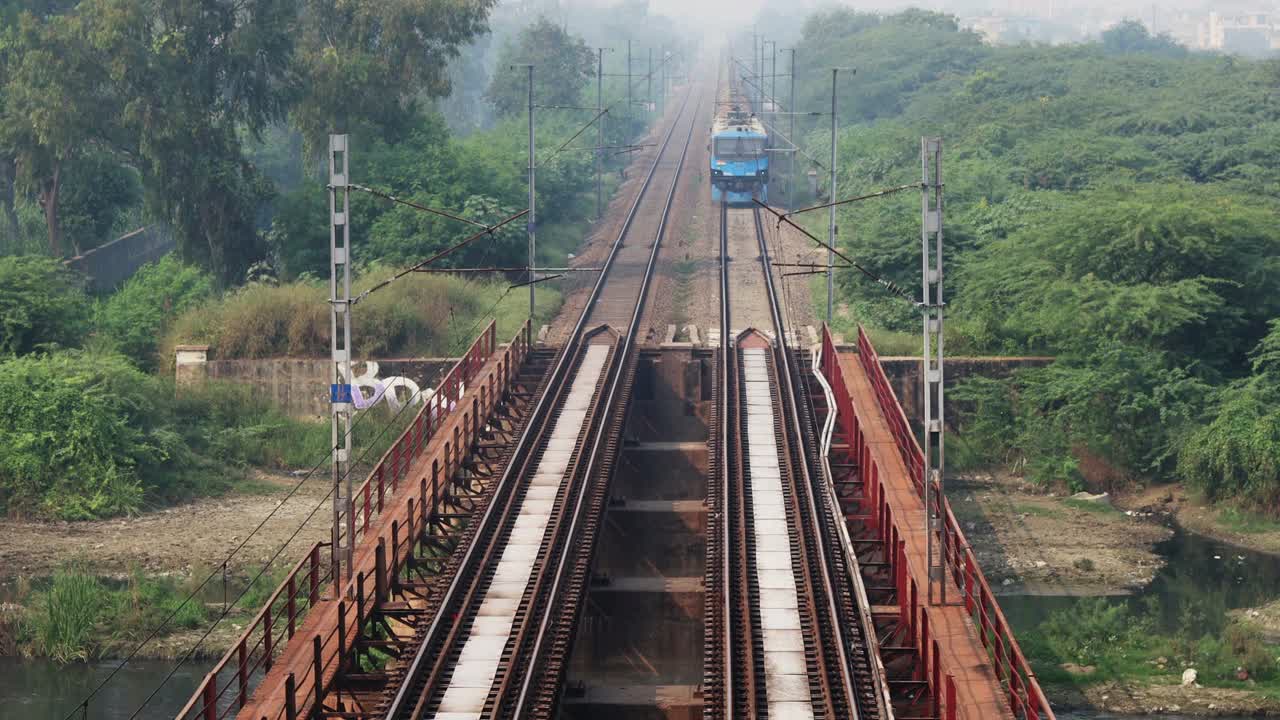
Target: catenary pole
(649,98)
(343,531)
(931,357)
(791,133)
(630,108)
(831,237)
(599,130)
(533,221)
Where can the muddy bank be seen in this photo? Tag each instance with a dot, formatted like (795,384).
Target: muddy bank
(1030,542)
(1127,698)
(176,540)
(1246,530)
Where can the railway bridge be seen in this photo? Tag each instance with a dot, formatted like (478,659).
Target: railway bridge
(605,527)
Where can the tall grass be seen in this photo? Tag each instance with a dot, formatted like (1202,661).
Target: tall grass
(79,616)
(433,315)
(66,614)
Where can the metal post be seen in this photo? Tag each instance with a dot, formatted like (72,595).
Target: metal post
(832,210)
(630,109)
(791,133)
(599,130)
(773,78)
(533,204)
(343,532)
(931,357)
(649,97)
(662,100)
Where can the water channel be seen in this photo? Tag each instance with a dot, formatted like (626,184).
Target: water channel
(1200,574)
(39,689)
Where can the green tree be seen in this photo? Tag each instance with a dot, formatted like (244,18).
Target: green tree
(96,193)
(189,92)
(41,305)
(562,65)
(362,66)
(135,317)
(1131,36)
(56,99)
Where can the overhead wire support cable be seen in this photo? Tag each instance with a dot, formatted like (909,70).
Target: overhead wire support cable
(535,281)
(846,201)
(423,208)
(889,285)
(488,230)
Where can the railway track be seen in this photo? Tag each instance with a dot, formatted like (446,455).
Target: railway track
(787,632)
(499,635)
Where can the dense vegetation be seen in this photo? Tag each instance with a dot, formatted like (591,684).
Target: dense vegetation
(1110,204)
(112,119)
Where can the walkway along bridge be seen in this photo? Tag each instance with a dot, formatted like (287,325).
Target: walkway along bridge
(475,536)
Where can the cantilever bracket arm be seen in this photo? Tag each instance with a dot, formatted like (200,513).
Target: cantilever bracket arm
(868,196)
(886,284)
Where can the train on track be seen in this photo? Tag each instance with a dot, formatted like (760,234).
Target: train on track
(739,158)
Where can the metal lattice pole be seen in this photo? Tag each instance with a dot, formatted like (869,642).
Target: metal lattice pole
(599,130)
(931,358)
(831,256)
(791,134)
(343,533)
(532,226)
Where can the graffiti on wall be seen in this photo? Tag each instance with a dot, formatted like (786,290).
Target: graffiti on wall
(396,390)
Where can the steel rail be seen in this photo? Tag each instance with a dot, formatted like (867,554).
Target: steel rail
(726,346)
(614,383)
(786,380)
(530,433)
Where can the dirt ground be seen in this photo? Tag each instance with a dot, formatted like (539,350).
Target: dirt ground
(1200,517)
(178,539)
(1194,701)
(1031,542)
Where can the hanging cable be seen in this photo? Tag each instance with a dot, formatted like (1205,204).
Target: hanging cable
(889,285)
(415,206)
(488,230)
(876,194)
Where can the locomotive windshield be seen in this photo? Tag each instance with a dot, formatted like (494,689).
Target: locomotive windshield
(739,148)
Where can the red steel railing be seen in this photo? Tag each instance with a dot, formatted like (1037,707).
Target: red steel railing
(1026,699)
(227,687)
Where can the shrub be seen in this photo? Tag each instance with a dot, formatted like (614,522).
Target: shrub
(436,315)
(135,317)
(79,434)
(1238,453)
(41,305)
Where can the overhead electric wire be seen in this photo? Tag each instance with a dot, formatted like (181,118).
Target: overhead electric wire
(888,285)
(846,201)
(488,230)
(639,79)
(423,208)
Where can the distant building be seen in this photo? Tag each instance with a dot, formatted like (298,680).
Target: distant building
(1253,33)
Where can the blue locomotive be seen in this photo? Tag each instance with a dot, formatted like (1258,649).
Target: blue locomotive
(739,159)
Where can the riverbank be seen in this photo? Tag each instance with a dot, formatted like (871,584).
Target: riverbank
(1230,525)
(1165,599)
(1031,542)
(144,566)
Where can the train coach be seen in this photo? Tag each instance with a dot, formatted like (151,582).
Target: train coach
(739,159)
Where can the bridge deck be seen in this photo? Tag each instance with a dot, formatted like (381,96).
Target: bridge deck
(978,691)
